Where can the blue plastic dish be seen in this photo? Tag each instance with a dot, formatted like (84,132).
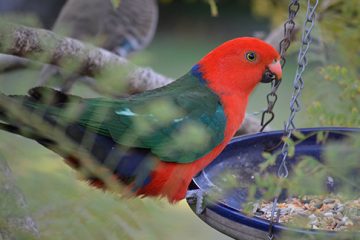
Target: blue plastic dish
(245,154)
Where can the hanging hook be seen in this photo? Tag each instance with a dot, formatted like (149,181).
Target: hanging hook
(263,123)
(271,100)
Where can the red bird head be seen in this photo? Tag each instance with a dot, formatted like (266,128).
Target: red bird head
(238,65)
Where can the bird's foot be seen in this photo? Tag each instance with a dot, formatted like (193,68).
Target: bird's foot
(196,197)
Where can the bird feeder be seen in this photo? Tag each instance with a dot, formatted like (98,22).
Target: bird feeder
(243,157)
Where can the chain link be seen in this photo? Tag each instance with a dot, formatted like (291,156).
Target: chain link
(295,103)
(271,235)
(289,26)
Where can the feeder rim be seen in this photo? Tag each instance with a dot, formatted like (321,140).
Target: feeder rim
(262,224)
(303,130)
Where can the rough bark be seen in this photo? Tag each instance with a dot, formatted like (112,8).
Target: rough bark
(47,47)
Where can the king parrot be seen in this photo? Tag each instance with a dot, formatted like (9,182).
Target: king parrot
(155,142)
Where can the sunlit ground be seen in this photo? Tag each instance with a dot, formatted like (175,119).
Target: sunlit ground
(66,208)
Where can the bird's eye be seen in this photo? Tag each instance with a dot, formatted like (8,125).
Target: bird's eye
(250,56)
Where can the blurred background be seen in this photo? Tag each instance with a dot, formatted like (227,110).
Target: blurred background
(65,208)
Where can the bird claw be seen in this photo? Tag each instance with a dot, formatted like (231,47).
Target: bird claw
(197,197)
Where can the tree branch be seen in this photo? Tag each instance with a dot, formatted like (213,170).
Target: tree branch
(48,47)
(277,34)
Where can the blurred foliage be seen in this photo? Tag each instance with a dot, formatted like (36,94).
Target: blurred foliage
(335,95)
(331,97)
(275,10)
(72,209)
(14,217)
(116,3)
(212,3)
(69,209)
(337,101)
(339,22)
(26,19)
(213,7)
(84,213)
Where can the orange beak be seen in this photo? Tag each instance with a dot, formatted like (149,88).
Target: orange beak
(272,72)
(275,68)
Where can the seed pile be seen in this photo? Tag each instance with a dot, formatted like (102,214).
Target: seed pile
(314,212)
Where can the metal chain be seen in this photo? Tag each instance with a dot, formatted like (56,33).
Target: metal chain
(271,235)
(295,103)
(289,26)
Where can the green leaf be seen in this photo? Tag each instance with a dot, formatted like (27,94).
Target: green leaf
(290,146)
(267,155)
(320,137)
(270,160)
(298,134)
(116,3)
(288,140)
(213,8)
(291,150)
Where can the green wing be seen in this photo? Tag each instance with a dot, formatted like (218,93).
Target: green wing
(180,122)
